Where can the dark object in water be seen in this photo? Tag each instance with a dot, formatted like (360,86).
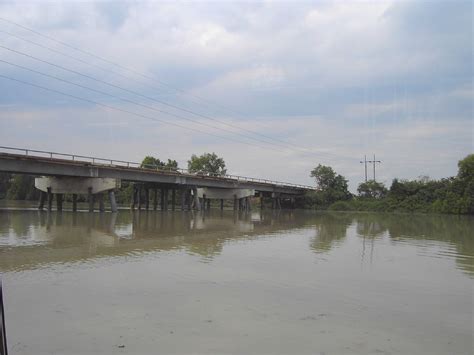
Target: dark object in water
(3,334)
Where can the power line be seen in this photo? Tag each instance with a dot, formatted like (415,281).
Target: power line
(107,94)
(134,93)
(135,72)
(123,89)
(126,111)
(140,95)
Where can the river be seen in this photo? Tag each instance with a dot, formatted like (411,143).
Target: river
(287,282)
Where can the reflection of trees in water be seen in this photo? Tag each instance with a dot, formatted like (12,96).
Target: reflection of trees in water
(67,236)
(370,225)
(330,228)
(457,231)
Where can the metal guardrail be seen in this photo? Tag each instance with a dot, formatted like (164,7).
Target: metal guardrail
(129,164)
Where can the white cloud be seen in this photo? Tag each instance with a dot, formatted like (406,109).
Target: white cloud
(343,79)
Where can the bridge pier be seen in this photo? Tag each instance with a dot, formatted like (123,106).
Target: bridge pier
(139,197)
(113,202)
(197,198)
(183,198)
(155,199)
(58,187)
(147,198)
(165,207)
(50,199)
(173,199)
(59,202)
(90,198)
(189,199)
(101,203)
(162,198)
(197,203)
(74,202)
(42,197)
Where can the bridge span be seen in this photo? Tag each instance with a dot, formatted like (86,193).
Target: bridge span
(75,174)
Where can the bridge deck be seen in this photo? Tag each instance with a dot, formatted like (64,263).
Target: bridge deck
(80,167)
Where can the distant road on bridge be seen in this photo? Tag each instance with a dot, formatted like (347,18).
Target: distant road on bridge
(36,162)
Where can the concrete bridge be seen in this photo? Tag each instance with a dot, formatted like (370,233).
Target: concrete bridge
(81,175)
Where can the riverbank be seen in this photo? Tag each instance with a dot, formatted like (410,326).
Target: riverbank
(393,205)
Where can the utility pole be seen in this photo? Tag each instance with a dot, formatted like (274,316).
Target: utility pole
(365,165)
(374,162)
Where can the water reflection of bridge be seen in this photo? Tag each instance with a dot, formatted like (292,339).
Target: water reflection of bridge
(32,238)
(41,238)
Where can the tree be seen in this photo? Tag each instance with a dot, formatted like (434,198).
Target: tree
(4,184)
(151,162)
(372,189)
(155,163)
(22,187)
(171,165)
(466,181)
(466,168)
(207,163)
(333,187)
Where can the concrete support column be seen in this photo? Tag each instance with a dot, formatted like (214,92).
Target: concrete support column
(173,199)
(204,204)
(42,197)
(183,199)
(101,203)
(139,197)
(113,202)
(50,199)
(165,206)
(235,203)
(222,204)
(134,197)
(208,204)
(59,202)
(147,198)
(155,198)
(273,203)
(90,198)
(249,203)
(162,197)
(261,201)
(197,204)
(74,202)
(189,199)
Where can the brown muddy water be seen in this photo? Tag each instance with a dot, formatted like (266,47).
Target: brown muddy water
(292,282)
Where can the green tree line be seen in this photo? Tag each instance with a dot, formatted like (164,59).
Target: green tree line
(453,195)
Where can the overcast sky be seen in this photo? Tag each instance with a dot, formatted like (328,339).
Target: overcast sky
(317,82)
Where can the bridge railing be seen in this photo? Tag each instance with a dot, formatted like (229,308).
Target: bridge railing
(128,164)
